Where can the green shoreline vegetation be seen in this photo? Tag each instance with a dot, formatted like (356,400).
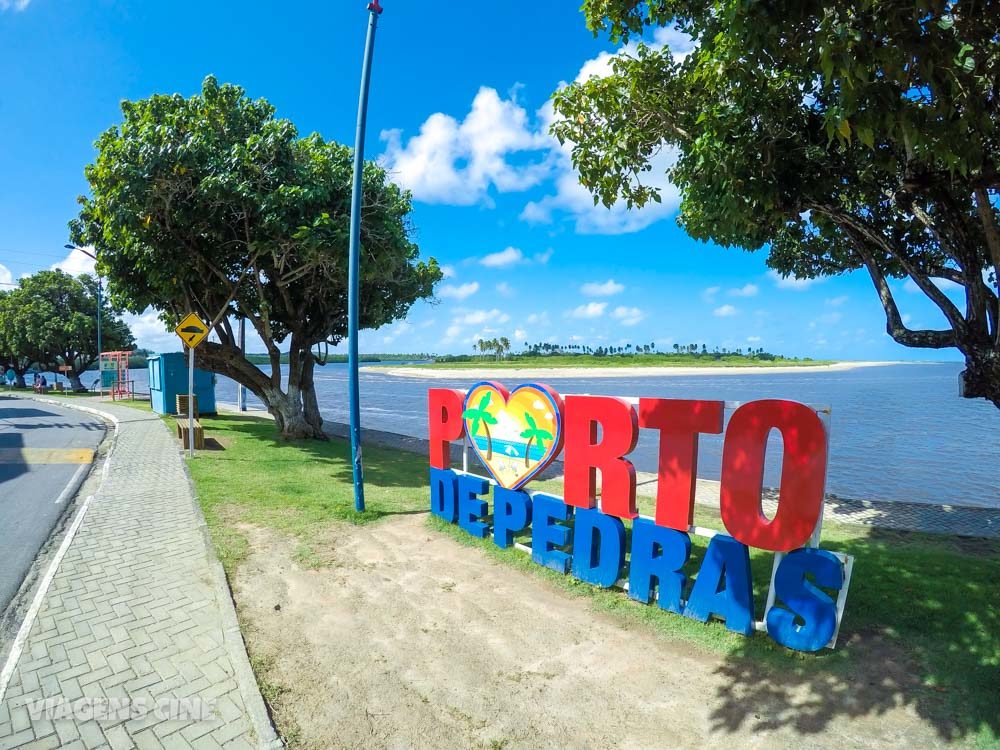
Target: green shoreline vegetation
(921,601)
(618,360)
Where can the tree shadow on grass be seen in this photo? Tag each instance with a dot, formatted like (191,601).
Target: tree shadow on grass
(921,629)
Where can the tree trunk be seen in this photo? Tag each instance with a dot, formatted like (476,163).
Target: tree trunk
(981,376)
(75,384)
(290,415)
(309,403)
(19,380)
(295,412)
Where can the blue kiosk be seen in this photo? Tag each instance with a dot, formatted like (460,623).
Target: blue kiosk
(168,377)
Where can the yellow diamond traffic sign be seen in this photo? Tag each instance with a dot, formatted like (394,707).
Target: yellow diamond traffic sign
(191,330)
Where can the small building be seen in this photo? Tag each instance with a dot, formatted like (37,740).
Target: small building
(168,377)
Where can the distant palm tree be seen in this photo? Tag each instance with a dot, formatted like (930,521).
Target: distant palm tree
(533,433)
(479,415)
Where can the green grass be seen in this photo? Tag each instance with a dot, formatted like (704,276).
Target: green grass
(919,604)
(635,360)
(295,487)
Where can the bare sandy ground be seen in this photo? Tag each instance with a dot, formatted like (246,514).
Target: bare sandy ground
(409,639)
(477,373)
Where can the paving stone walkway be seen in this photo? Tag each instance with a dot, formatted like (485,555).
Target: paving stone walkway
(137,612)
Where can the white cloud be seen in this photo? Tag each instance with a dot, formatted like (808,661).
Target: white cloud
(837,301)
(76,263)
(520,336)
(574,199)
(748,290)
(6,277)
(150,332)
(478,317)
(507,257)
(602,289)
(541,318)
(791,282)
(395,331)
(458,291)
(628,316)
(679,43)
(14,5)
(709,294)
(590,310)
(481,321)
(753,339)
(543,257)
(459,162)
(448,272)
(512,256)
(726,311)
(504,289)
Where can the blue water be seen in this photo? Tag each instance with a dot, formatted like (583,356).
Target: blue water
(511,449)
(898,432)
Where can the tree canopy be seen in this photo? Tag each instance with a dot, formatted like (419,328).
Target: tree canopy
(842,136)
(50,319)
(211,204)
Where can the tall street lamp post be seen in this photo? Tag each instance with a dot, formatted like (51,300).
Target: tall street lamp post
(353,277)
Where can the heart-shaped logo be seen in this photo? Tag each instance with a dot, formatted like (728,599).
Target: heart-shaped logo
(515,434)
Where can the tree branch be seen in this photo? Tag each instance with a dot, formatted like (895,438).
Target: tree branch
(895,327)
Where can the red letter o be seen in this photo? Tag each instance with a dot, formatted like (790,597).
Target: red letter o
(803,473)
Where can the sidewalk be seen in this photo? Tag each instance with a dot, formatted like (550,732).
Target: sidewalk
(138,610)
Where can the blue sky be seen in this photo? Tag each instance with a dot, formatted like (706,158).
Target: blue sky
(459,114)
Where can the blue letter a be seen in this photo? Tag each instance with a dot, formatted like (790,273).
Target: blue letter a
(723,587)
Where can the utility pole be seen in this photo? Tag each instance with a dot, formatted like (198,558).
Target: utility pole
(353,276)
(241,391)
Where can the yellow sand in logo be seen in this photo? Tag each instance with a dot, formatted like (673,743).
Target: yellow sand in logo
(511,438)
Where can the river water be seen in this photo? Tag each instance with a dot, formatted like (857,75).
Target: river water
(898,432)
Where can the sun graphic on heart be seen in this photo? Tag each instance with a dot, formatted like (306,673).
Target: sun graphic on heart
(516,434)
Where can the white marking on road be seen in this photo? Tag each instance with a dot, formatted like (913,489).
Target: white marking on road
(72,486)
(36,604)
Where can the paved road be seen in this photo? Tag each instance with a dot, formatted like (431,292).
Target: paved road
(43,449)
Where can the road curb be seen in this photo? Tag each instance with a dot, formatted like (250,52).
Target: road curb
(260,716)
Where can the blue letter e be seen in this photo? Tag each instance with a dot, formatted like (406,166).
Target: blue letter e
(804,600)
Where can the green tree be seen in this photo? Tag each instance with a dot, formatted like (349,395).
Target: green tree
(533,433)
(17,351)
(51,319)
(843,136)
(480,415)
(210,204)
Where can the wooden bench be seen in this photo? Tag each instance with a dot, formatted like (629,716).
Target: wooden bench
(199,433)
(182,405)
